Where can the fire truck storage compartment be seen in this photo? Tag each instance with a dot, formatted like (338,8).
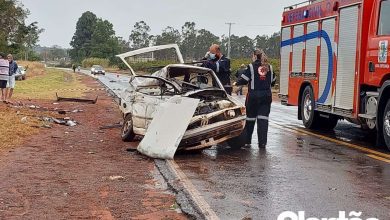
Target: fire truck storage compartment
(311,49)
(326,67)
(298,50)
(346,65)
(285,64)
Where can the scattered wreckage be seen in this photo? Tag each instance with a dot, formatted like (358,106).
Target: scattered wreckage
(180,107)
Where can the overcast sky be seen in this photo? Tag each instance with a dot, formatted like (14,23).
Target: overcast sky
(252,17)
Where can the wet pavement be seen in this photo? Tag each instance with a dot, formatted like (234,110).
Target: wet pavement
(297,172)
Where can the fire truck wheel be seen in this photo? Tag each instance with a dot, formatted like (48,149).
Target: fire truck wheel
(309,116)
(386,124)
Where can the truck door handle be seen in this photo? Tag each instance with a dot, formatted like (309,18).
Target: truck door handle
(371,67)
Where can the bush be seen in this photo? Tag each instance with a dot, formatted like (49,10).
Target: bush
(89,62)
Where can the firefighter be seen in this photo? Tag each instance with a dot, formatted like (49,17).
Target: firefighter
(258,76)
(220,64)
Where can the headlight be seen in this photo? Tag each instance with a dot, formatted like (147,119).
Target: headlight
(93,69)
(231,113)
(103,71)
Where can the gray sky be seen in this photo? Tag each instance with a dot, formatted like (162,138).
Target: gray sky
(59,17)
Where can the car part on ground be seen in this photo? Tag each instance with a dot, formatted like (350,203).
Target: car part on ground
(62,99)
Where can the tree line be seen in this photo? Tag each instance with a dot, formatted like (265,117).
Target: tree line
(16,36)
(95,37)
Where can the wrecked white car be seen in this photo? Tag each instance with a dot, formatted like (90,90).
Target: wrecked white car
(217,118)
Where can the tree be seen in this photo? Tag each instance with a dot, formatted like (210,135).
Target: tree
(139,36)
(270,44)
(204,40)
(168,36)
(104,43)
(15,36)
(81,41)
(188,34)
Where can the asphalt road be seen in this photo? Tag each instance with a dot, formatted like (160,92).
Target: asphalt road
(320,174)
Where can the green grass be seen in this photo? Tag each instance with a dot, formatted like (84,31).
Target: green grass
(45,86)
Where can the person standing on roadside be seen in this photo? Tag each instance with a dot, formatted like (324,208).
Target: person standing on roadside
(4,76)
(13,67)
(220,64)
(258,76)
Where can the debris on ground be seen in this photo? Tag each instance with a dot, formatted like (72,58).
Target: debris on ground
(63,99)
(105,127)
(24,120)
(116,178)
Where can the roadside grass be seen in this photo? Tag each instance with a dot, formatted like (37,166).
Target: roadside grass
(13,129)
(46,85)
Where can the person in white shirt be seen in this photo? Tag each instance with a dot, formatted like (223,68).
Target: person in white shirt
(4,76)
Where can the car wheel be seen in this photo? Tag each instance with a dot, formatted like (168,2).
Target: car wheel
(310,117)
(127,129)
(237,142)
(386,124)
(23,77)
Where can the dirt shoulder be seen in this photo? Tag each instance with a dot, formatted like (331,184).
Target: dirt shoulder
(81,172)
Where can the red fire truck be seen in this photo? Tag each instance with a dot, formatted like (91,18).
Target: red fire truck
(335,63)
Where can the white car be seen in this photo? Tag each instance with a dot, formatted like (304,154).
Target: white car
(218,117)
(20,73)
(96,69)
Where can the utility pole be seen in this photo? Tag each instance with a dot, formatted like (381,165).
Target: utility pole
(230,33)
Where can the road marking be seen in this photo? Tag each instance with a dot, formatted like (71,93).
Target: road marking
(378,158)
(285,129)
(196,197)
(354,146)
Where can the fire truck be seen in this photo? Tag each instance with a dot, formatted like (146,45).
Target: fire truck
(335,63)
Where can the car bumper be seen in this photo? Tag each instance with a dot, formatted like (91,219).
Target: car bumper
(213,134)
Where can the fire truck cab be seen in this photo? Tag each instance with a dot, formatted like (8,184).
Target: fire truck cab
(335,63)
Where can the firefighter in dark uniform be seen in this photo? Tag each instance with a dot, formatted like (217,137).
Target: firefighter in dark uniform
(258,76)
(220,64)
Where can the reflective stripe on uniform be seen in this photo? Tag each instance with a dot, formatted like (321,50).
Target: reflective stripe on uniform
(251,119)
(262,117)
(245,77)
(252,76)
(217,67)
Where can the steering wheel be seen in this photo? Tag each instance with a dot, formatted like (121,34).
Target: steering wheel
(200,78)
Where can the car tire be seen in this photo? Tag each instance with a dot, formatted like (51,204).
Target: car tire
(386,124)
(310,117)
(237,142)
(127,131)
